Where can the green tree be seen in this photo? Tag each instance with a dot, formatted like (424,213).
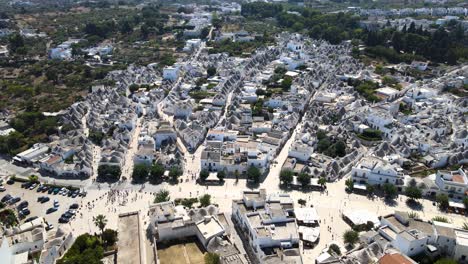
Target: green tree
(15,42)
(162,196)
(322,181)
(140,172)
(351,237)
(286,83)
(212,258)
(221,175)
(205,200)
(443,201)
(465,203)
(109,237)
(109,173)
(390,190)
(349,184)
(334,248)
(175,173)
(204,175)
(211,71)
(52,74)
(304,179)
(253,174)
(156,173)
(286,176)
(302,202)
(370,189)
(100,221)
(340,148)
(86,249)
(413,193)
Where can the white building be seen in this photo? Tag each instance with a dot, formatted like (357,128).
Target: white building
(268,226)
(461,248)
(452,183)
(375,171)
(300,151)
(171,72)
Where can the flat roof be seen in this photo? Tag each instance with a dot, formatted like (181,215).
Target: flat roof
(462,237)
(129,251)
(210,227)
(306,214)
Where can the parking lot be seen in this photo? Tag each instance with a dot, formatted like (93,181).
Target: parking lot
(37,208)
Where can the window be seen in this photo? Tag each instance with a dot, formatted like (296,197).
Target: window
(411,249)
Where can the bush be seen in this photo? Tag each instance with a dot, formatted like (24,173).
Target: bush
(162,196)
(205,200)
(334,248)
(212,258)
(109,237)
(351,237)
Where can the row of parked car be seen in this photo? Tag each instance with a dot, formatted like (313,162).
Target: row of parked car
(53,190)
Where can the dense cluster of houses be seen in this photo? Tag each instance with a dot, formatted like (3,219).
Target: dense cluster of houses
(32,237)
(423,11)
(400,236)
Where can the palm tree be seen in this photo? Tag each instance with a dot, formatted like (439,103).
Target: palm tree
(100,221)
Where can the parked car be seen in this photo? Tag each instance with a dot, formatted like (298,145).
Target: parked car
(6,198)
(2,189)
(39,189)
(34,185)
(56,190)
(56,203)
(26,185)
(45,188)
(14,200)
(63,220)
(43,199)
(25,212)
(23,204)
(50,191)
(71,211)
(67,215)
(10,182)
(31,219)
(74,206)
(51,210)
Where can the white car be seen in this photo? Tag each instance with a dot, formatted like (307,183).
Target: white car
(2,189)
